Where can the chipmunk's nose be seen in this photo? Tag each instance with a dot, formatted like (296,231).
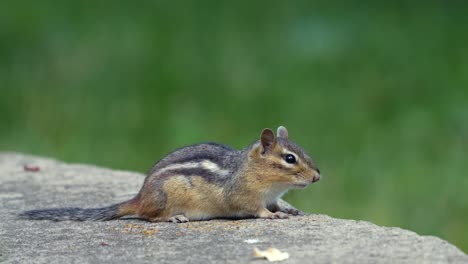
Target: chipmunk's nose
(316,176)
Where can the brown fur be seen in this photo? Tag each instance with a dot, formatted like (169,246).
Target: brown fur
(262,177)
(206,181)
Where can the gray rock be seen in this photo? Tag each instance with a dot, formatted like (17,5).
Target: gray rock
(308,239)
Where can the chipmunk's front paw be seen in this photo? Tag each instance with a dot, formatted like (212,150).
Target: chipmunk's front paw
(285,207)
(178,219)
(293,211)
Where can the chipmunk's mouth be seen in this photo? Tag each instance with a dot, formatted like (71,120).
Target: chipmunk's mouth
(301,185)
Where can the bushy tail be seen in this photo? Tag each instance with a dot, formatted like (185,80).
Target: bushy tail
(76,214)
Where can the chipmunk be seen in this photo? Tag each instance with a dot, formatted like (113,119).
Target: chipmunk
(209,180)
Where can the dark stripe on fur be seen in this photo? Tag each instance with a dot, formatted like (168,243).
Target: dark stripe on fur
(73,214)
(220,154)
(288,144)
(208,175)
(280,166)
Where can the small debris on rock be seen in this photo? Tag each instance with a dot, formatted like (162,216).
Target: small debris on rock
(148,231)
(271,254)
(251,241)
(31,168)
(104,244)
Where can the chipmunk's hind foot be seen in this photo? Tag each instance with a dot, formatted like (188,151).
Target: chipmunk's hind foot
(173,219)
(278,215)
(265,213)
(178,219)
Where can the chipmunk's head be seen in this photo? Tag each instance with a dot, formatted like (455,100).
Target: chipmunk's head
(283,161)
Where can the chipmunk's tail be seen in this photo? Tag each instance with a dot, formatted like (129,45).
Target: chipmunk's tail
(80,214)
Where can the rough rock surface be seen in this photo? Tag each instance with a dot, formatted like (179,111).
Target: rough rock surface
(308,239)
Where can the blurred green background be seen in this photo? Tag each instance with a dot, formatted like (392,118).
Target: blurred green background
(376,92)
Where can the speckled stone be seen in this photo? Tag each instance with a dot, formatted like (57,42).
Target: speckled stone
(308,239)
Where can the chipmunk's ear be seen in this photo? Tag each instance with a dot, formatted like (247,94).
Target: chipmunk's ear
(268,139)
(282,132)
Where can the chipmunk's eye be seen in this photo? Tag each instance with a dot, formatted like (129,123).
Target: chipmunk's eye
(289,158)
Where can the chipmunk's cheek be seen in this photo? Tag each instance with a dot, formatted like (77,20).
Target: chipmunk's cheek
(301,182)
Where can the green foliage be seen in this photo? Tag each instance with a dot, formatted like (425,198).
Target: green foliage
(377,93)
